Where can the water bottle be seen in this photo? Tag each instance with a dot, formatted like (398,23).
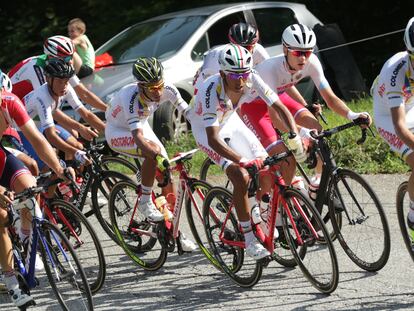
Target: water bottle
(65,191)
(163,206)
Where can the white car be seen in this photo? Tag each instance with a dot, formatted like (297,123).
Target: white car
(180,39)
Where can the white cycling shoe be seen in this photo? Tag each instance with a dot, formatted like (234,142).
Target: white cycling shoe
(150,212)
(21,299)
(186,244)
(256,250)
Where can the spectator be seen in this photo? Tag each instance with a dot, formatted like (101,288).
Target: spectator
(76,31)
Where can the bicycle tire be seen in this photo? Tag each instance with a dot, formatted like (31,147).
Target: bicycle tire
(364,234)
(52,241)
(145,249)
(112,163)
(102,186)
(319,256)
(194,213)
(403,206)
(89,250)
(241,269)
(217,178)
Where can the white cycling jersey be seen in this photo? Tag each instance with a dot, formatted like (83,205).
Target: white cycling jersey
(212,107)
(40,105)
(275,73)
(129,111)
(31,69)
(394,87)
(211,65)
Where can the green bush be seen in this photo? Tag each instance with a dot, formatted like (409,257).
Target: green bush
(372,157)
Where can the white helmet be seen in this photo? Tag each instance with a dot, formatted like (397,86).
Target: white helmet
(58,46)
(299,36)
(235,58)
(409,35)
(5,82)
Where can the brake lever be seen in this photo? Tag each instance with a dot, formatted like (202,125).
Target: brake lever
(313,110)
(361,140)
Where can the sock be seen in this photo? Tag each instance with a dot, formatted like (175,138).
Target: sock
(146,193)
(10,280)
(247,231)
(411,212)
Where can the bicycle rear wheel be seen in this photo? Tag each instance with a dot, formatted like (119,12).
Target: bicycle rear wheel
(214,175)
(101,189)
(364,235)
(221,225)
(84,240)
(138,237)
(120,164)
(63,269)
(403,205)
(305,229)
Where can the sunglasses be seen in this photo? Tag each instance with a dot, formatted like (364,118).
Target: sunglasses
(152,87)
(298,53)
(67,59)
(237,76)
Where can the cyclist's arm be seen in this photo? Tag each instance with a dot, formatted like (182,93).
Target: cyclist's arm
(72,125)
(334,102)
(294,93)
(41,146)
(143,145)
(89,97)
(59,143)
(92,119)
(400,125)
(219,146)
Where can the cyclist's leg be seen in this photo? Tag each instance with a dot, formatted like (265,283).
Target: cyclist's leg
(240,178)
(121,141)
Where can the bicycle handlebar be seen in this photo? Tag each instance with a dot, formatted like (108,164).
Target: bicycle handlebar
(312,109)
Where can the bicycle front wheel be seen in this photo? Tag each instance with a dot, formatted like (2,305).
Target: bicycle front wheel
(63,269)
(214,175)
(364,234)
(84,240)
(120,164)
(305,229)
(100,191)
(403,206)
(222,230)
(138,237)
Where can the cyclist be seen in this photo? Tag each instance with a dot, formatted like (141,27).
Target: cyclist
(219,96)
(393,95)
(43,106)
(243,34)
(128,131)
(282,73)
(15,176)
(28,74)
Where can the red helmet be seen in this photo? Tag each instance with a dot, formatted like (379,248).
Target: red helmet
(58,46)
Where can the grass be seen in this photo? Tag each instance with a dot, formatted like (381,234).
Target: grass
(373,157)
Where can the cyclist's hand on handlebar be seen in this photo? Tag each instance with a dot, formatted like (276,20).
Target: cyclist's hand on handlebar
(258,163)
(306,133)
(6,197)
(81,157)
(363,115)
(162,163)
(87,133)
(295,145)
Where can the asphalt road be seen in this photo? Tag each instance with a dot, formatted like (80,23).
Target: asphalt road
(189,282)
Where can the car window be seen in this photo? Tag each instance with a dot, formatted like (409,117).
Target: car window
(200,48)
(218,32)
(161,39)
(271,22)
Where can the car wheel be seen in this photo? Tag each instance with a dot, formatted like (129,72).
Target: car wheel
(169,123)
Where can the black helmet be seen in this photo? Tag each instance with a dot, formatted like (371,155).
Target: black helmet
(58,68)
(147,70)
(243,34)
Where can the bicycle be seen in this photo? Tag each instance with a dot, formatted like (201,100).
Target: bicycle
(403,206)
(77,230)
(357,217)
(98,181)
(63,268)
(147,243)
(303,230)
